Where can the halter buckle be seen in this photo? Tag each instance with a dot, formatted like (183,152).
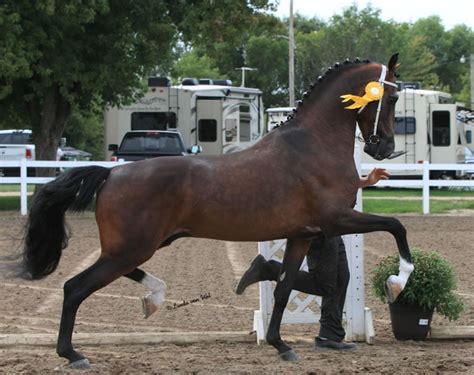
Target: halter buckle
(373,139)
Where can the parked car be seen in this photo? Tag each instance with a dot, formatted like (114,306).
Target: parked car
(73,154)
(16,144)
(138,145)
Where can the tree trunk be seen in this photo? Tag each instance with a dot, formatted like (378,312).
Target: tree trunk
(48,120)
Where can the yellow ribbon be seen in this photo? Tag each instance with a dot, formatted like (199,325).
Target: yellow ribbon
(373,91)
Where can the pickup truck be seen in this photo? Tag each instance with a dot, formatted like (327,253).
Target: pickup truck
(15,144)
(138,145)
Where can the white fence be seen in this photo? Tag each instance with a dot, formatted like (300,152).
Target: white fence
(23,180)
(425,183)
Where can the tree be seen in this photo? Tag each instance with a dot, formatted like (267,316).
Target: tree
(418,63)
(354,33)
(221,29)
(85,130)
(59,55)
(75,52)
(270,57)
(459,42)
(190,64)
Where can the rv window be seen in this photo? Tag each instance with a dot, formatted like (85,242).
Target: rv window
(245,118)
(468,136)
(405,125)
(231,130)
(153,120)
(441,128)
(207,130)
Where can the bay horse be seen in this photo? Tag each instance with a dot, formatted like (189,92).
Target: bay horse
(298,182)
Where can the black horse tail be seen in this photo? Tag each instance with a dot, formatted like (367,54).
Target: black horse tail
(46,231)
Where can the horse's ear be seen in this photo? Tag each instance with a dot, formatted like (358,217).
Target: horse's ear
(392,64)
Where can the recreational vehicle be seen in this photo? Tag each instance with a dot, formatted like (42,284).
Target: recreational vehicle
(277,115)
(428,128)
(215,115)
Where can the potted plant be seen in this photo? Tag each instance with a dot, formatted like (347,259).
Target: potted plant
(430,287)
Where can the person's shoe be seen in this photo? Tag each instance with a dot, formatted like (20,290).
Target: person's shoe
(320,343)
(252,275)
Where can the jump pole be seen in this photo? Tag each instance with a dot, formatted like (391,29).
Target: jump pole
(451,332)
(130,338)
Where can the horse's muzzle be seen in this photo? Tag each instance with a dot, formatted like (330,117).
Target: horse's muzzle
(379,150)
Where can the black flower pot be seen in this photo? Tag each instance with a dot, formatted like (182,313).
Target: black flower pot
(410,322)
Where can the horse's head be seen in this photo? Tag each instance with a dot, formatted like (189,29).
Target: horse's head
(376,110)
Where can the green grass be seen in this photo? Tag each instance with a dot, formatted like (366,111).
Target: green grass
(400,206)
(14,204)
(379,206)
(388,192)
(390,206)
(15,188)
(9,203)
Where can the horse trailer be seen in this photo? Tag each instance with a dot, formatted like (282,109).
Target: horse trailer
(429,126)
(215,115)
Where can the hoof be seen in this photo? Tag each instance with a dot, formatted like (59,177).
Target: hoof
(252,275)
(149,305)
(82,364)
(393,288)
(289,356)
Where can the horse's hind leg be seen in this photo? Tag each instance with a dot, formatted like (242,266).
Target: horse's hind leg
(157,287)
(76,290)
(295,252)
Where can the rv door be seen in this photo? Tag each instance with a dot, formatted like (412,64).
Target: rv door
(444,134)
(209,125)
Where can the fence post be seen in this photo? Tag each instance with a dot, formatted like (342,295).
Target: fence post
(426,187)
(23,187)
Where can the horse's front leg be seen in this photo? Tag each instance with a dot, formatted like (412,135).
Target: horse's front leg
(358,222)
(295,252)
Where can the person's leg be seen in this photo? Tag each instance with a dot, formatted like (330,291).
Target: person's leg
(263,270)
(330,265)
(328,277)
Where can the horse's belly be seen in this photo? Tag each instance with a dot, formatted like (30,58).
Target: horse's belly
(245,226)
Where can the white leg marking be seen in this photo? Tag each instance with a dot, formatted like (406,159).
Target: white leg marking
(405,270)
(157,288)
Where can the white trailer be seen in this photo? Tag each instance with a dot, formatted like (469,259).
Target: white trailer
(214,115)
(277,115)
(427,129)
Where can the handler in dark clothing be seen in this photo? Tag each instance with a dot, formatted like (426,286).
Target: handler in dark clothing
(328,277)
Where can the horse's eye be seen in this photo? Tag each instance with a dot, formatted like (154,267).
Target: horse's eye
(392,99)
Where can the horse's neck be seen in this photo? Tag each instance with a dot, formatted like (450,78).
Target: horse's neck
(331,125)
(323,115)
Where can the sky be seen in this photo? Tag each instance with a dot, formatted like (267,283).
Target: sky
(451,12)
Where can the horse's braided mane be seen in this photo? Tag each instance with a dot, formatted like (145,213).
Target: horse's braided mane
(313,86)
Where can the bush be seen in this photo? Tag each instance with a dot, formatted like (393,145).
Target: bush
(430,286)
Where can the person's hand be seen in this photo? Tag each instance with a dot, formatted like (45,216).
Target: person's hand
(374,176)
